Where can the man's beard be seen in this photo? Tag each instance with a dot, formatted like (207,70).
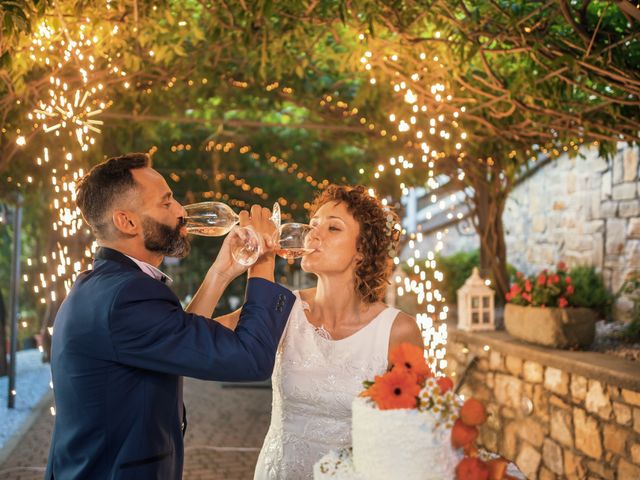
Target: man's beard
(161,238)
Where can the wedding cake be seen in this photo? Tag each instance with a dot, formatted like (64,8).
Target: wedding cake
(410,425)
(394,443)
(400,443)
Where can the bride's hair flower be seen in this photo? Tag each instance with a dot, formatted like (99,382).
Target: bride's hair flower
(407,356)
(395,389)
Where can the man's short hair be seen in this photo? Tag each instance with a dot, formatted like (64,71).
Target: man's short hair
(98,190)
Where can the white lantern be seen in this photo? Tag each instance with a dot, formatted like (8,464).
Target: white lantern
(476,304)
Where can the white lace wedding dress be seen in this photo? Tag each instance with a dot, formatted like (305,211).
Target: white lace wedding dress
(315,379)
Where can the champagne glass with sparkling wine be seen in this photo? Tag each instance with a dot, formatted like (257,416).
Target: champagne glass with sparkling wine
(215,219)
(292,240)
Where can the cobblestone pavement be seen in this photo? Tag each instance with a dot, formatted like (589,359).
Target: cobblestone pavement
(226,427)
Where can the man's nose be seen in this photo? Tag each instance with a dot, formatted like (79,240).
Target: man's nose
(182,212)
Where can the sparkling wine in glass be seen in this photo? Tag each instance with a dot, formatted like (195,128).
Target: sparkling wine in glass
(210,219)
(291,240)
(215,219)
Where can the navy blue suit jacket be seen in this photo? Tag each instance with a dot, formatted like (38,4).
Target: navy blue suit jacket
(121,343)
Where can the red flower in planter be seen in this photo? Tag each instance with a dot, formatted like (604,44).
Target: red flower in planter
(562,302)
(527,297)
(567,279)
(561,267)
(542,279)
(528,286)
(570,289)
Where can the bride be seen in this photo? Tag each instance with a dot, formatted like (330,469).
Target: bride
(338,333)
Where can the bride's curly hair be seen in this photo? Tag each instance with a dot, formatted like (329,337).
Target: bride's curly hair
(378,239)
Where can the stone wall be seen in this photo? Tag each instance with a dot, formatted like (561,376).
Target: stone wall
(580,211)
(583,210)
(556,414)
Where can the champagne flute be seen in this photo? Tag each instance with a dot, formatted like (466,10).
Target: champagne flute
(215,219)
(291,240)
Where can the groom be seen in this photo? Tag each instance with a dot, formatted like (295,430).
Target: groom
(122,340)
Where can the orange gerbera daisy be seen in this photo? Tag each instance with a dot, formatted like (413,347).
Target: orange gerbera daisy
(410,357)
(396,389)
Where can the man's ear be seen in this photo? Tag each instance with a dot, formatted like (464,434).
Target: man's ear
(125,222)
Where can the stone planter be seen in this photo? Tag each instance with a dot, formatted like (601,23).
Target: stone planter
(551,327)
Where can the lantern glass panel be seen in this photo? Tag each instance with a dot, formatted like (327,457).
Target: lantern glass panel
(475,302)
(485,317)
(485,302)
(475,318)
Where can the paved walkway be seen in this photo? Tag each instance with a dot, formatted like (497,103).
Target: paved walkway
(226,429)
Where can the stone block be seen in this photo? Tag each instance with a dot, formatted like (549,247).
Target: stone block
(514,365)
(574,468)
(489,438)
(578,387)
(618,168)
(508,390)
(538,224)
(602,470)
(598,400)
(587,434)
(615,236)
(533,372)
(546,474)
(627,470)
(494,419)
(508,413)
(608,209)
(561,429)
(552,456)
(570,182)
(629,208)
(540,402)
(509,441)
(636,419)
(634,228)
(615,438)
(490,379)
(594,226)
(632,254)
(528,461)
(624,191)
(556,381)
(631,397)
(606,189)
(630,164)
(532,431)
(622,413)
(556,401)
(635,453)
(496,361)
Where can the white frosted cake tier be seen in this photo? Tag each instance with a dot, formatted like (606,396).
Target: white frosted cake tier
(400,443)
(338,465)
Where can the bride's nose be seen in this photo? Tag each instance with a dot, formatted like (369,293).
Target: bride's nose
(313,238)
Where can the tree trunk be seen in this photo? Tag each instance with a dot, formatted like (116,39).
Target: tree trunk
(4,367)
(489,202)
